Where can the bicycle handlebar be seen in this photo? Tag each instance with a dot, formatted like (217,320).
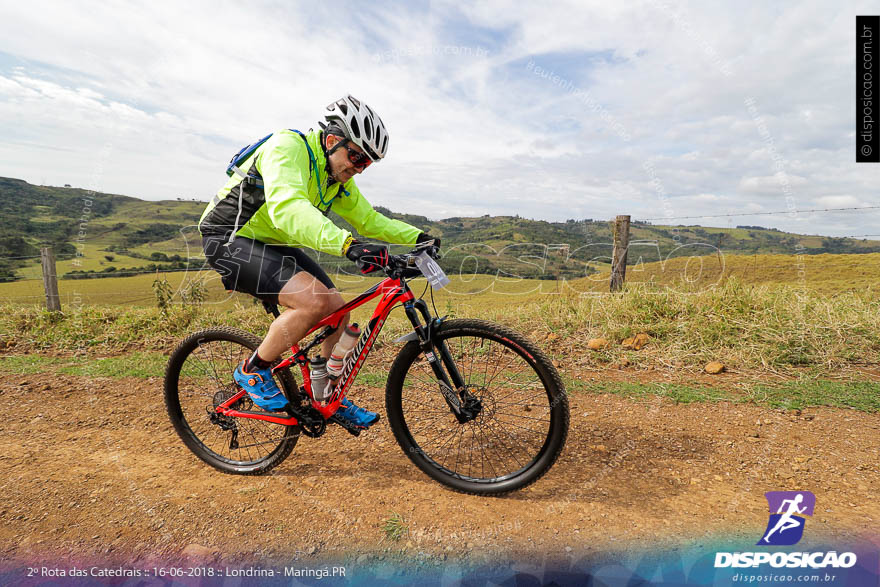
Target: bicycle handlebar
(407,261)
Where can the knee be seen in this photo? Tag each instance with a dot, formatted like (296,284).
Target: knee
(320,306)
(337,302)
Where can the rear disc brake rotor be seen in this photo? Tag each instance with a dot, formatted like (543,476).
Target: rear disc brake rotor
(225,422)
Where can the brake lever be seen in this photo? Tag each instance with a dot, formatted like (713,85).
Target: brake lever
(428,247)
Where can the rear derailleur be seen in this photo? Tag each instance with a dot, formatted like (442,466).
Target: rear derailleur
(225,422)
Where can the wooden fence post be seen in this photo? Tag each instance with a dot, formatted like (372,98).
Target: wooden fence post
(618,256)
(50,279)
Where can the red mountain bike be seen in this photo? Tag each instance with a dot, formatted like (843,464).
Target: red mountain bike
(475,405)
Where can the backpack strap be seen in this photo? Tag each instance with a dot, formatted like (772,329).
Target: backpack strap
(251,179)
(257,181)
(240,157)
(313,167)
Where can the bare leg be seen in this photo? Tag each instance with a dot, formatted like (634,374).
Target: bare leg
(327,345)
(308,301)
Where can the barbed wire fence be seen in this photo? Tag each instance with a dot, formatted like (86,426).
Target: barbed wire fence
(774,213)
(49,277)
(620,245)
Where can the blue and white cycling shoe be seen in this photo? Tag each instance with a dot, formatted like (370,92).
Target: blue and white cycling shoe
(355,415)
(260,386)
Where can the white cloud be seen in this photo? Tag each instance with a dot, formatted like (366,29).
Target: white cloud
(178,87)
(839,201)
(771,184)
(707,198)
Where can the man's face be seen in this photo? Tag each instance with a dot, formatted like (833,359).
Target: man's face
(341,167)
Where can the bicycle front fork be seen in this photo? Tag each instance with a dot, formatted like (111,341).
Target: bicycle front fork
(463,404)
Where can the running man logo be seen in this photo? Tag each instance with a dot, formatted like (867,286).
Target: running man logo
(786,525)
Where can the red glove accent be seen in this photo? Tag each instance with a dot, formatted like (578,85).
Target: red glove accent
(369,257)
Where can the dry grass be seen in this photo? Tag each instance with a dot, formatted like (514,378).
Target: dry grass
(745,326)
(752,315)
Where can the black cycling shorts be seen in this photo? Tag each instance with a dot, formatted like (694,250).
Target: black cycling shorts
(257,268)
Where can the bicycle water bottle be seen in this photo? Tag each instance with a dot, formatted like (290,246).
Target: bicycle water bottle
(321,387)
(342,347)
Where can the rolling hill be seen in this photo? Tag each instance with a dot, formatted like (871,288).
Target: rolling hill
(119,235)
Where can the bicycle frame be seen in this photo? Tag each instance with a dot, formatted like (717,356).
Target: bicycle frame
(393,291)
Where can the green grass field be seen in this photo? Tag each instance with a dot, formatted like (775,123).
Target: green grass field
(90,262)
(137,290)
(827,274)
(820,274)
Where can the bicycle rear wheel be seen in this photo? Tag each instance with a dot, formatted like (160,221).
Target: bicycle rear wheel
(198,378)
(523,420)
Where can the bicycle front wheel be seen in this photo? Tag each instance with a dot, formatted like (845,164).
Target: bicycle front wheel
(198,378)
(522,423)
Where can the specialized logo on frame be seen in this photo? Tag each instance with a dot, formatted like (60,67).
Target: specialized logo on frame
(787,517)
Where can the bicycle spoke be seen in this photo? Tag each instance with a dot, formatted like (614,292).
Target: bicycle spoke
(515,441)
(429,406)
(516,415)
(428,422)
(510,394)
(205,372)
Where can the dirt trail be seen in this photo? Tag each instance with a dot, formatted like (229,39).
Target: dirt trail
(95,469)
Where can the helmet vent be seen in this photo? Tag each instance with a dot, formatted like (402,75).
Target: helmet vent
(360,124)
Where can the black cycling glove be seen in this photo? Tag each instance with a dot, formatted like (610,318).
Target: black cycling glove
(425,237)
(369,257)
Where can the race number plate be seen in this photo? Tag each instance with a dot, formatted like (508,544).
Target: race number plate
(431,270)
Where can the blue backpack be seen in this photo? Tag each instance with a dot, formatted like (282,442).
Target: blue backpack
(240,157)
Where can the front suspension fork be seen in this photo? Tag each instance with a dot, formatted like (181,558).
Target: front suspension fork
(452,385)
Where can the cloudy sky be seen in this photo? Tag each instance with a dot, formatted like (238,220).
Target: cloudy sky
(549,110)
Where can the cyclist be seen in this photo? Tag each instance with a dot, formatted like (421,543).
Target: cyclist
(274,205)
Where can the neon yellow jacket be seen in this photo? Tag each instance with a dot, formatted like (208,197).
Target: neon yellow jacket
(290,209)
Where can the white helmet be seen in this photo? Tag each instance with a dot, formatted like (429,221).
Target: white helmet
(360,124)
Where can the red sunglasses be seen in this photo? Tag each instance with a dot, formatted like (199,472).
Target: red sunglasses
(358,158)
